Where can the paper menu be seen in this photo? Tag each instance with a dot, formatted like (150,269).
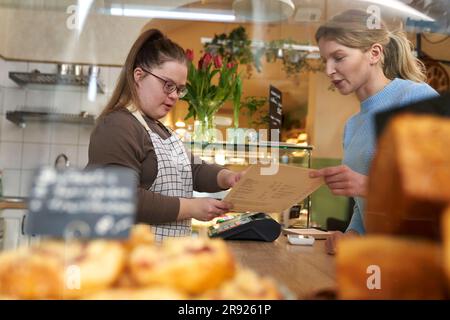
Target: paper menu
(256,192)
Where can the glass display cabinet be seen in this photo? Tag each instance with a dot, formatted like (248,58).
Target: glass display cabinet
(239,156)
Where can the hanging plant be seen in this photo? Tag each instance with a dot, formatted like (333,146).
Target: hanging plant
(236,47)
(294,61)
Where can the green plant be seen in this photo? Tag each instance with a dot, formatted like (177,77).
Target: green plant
(235,47)
(254,105)
(294,61)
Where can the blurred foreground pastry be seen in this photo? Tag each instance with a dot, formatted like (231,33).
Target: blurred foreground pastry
(380,267)
(188,264)
(133,269)
(59,270)
(140,234)
(409,181)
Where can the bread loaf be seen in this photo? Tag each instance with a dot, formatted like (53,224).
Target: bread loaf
(381,267)
(446,244)
(409,181)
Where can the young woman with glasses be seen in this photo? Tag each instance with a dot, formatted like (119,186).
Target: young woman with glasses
(129,134)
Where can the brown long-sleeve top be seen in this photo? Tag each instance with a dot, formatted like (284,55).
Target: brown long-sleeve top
(120,140)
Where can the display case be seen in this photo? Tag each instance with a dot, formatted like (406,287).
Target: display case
(239,156)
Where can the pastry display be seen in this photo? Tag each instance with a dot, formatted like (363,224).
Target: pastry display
(132,269)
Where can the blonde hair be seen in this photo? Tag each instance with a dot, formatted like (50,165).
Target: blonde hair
(151,49)
(351,29)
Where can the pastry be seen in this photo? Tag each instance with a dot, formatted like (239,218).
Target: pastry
(58,270)
(188,264)
(140,234)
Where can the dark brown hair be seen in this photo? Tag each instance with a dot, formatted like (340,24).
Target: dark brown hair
(152,48)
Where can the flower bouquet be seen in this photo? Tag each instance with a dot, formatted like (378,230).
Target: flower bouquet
(213,82)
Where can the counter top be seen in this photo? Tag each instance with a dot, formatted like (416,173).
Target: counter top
(304,270)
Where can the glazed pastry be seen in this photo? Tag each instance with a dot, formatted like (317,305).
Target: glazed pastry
(140,234)
(188,264)
(58,270)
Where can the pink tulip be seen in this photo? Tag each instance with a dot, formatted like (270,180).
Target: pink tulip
(218,61)
(205,61)
(230,65)
(190,54)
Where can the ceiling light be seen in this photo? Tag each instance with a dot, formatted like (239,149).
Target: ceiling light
(263,10)
(180,124)
(175,14)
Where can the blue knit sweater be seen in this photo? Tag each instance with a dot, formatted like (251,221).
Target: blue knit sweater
(359,132)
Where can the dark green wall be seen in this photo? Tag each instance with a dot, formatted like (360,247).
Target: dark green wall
(324,203)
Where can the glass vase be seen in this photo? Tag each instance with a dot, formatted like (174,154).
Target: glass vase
(205,129)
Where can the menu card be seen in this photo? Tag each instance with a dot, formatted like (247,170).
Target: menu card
(258,192)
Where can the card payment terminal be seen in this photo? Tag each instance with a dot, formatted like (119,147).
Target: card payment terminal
(249,226)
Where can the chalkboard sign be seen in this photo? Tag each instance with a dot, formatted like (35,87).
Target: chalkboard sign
(275,113)
(99,203)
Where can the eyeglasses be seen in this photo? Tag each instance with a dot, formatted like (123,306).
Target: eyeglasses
(169,86)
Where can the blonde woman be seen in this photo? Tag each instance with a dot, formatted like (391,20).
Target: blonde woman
(378,66)
(129,134)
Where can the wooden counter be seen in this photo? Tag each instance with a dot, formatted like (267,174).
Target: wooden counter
(304,270)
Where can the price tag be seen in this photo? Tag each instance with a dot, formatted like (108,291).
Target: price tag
(99,203)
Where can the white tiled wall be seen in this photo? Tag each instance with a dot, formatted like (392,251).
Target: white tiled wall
(22,150)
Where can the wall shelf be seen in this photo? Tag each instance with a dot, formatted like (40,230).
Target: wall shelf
(36,77)
(21,118)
